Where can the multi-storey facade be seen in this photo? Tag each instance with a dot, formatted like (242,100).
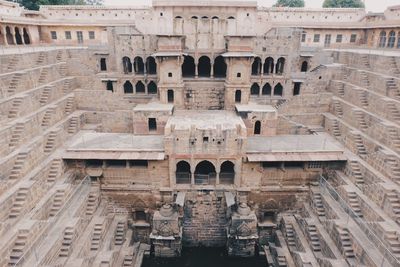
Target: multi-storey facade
(135,130)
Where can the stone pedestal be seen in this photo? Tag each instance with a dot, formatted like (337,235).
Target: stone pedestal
(242,232)
(166,236)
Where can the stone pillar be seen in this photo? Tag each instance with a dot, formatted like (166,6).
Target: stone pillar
(212,70)
(242,232)
(4,34)
(166,236)
(13,34)
(196,70)
(262,69)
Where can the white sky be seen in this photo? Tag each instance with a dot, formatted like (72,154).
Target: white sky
(371,5)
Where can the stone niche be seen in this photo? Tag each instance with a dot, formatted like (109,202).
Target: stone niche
(242,232)
(166,236)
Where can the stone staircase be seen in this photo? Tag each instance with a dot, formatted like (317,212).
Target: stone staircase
(359,144)
(364,79)
(73,125)
(394,200)
(365,61)
(67,87)
(394,168)
(41,58)
(290,235)
(336,128)
(69,106)
(119,237)
(356,172)
(67,240)
(340,89)
(50,142)
(281,261)
(363,95)
(12,64)
(338,108)
(63,70)
(313,237)
(92,202)
(393,66)
(16,135)
(354,203)
(18,165)
(394,113)
(47,116)
(44,97)
(54,170)
(57,202)
(317,202)
(43,76)
(96,236)
(393,241)
(391,86)
(128,261)
(346,244)
(12,88)
(394,137)
(60,55)
(359,116)
(18,203)
(18,248)
(16,104)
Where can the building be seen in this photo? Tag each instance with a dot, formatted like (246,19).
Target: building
(128,131)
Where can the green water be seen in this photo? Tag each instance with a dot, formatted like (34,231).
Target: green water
(204,257)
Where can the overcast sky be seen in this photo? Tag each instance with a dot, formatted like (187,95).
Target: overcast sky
(371,5)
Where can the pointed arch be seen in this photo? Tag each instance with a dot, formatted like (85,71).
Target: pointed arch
(280,66)
(140,88)
(138,65)
(128,87)
(27,39)
(255,89)
(256,67)
(151,66)
(204,67)
(18,37)
(266,90)
(227,173)
(269,65)
(204,172)
(183,172)
(152,88)
(9,36)
(278,90)
(188,67)
(126,65)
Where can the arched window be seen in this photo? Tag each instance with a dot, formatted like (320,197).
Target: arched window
(255,89)
(398,40)
(257,128)
(280,65)
(183,173)
(103,64)
(138,65)
(238,96)
(126,65)
(170,96)
(204,67)
(266,90)
(269,65)
(204,17)
(231,17)
(382,39)
(151,65)
(227,173)
(256,67)
(9,36)
(195,17)
(178,17)
(392,39)
(304,66)
(278,90)
(152,88)
(27,40)
(128,87)
(204,173)
(219,67)
(18,37)
(215,17)
(188,67)
(140,88)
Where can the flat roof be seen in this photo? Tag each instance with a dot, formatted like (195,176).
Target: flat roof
(154,106)
(205,120)
(254,107)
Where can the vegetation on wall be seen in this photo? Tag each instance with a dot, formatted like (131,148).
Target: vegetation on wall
(344,3)
(289,3)
(34,4)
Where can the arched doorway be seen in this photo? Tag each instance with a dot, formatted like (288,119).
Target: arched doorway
(170,96)
(266,89)
(183,173)
(27,39)
(227,173)
(220,67)
(188,67)
(304,66)
(257,128)
(151,66)
(278,90)
(205,173)
(255,89)
(128,87)
(204,67)
(152,88)
(138,65)
(18,37)
(238,96)
(9,36)
(126,65)
(256,67)
(140,88)
(269,65)
(280,65)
